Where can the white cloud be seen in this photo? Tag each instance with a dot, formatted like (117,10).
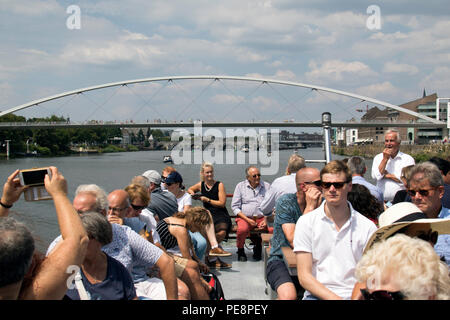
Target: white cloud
(437,81)
(337,70)
(392,67)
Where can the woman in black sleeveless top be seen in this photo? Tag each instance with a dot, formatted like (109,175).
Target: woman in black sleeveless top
(214,199)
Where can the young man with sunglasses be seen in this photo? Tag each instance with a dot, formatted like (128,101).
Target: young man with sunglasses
(247,197)
(387,166)
(426,188)
(289,208)
(330,240)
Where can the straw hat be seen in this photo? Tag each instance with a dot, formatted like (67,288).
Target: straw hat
(401,215)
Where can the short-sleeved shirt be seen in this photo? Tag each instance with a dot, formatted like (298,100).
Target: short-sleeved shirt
(248,199)
(334,253)
(163,203)
(118,284)
(130,249)
(184,200)
(442,246)
(288,211)
(280,186)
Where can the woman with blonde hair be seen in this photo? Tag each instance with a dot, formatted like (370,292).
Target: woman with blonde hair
(214,198)
(403,268)
(175,238)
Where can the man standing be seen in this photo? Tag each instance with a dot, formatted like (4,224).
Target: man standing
(358,168)
(289,207)
(247,197)
(426,188)
(329,241)
(387,166)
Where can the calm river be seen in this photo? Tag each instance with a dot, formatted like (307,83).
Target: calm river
(115,170)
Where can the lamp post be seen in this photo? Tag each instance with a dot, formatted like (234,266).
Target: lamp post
(7,148)
(326,124)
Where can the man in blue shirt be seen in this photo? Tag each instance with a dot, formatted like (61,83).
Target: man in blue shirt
(289,208)
(426,188)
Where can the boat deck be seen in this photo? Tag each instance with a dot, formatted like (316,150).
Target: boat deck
(245,280)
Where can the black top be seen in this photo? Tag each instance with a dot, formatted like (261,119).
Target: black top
(168,241)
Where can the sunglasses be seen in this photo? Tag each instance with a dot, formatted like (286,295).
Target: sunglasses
(336,185)
(135,207)
(422,192)
(256,175)
(317,183)
(430,236)
(382,295)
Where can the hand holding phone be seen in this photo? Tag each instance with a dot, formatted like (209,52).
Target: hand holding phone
(33,182)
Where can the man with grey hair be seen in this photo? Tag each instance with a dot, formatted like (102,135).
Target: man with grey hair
(247,197)
(358,168)
(387,166)
(426,188)
(282,185)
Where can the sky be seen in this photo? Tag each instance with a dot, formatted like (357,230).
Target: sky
(390,53)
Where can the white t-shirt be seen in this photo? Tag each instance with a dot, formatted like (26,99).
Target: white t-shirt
(184,200)
(334,253)
(147,217)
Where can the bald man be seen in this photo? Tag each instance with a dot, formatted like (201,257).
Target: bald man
(289,208)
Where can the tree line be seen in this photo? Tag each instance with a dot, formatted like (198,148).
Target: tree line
(58,141)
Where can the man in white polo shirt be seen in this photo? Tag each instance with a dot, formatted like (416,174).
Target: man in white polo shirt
(330,240)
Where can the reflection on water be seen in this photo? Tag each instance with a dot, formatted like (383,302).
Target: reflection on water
(114,171)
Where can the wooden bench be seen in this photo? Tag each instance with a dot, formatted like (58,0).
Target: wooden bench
(290,260)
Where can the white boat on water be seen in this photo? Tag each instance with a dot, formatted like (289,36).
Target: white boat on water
(167,159)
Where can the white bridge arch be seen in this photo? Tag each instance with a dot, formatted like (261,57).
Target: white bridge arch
(219,77)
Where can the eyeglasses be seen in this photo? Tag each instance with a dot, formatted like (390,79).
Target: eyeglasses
(336,185)
(430,236)
(116,209)
(256,175)
(382,295)
(137,208)
(422,192)
(317,183)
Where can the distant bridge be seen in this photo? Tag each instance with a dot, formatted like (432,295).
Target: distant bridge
(256,124)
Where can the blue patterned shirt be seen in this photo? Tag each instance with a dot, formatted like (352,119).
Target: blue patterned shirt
(287,211)
(442,246)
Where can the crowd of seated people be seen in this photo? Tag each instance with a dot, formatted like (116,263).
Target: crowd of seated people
(148,241)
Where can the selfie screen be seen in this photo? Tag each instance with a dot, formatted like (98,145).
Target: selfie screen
(34,177)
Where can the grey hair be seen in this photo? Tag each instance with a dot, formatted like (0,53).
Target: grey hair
(101,198)
(394,131)
(97,227)
(356,165)
(16,251)
(430,171)
(142,181)
(248,169)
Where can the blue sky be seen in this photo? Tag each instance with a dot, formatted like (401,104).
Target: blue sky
(325,43)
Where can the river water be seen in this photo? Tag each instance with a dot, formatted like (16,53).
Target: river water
(115,170)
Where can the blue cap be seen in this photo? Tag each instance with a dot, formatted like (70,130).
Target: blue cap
(174,177)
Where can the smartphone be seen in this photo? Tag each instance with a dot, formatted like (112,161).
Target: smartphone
(33,179)
(196,196)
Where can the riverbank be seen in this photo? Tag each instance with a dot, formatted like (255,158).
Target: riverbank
(420,153)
